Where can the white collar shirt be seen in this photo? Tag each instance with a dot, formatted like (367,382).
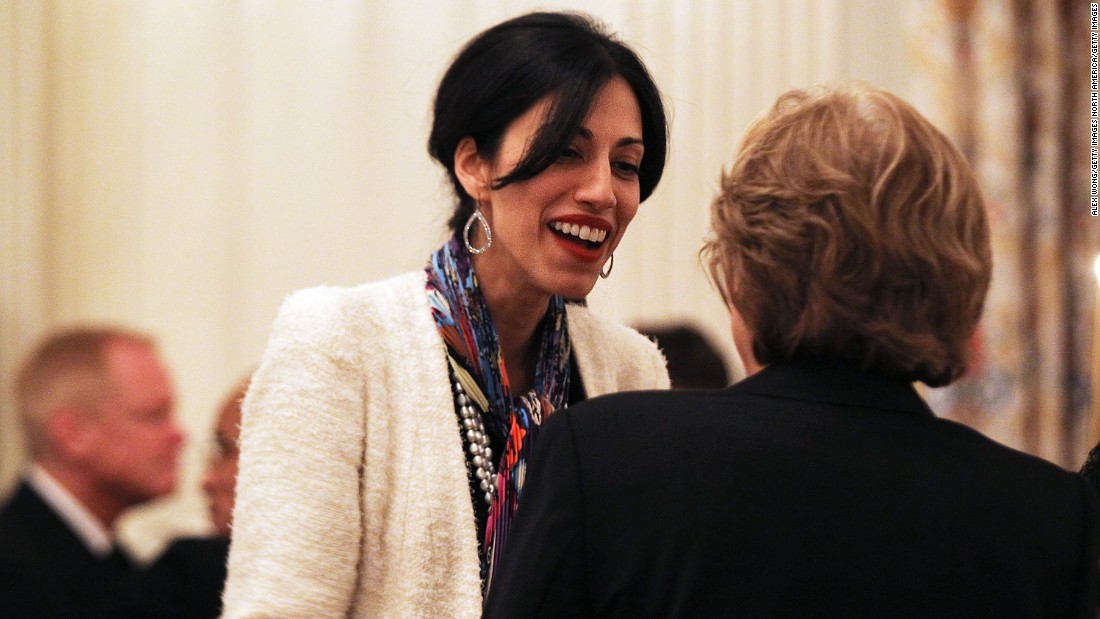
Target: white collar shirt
(98,539)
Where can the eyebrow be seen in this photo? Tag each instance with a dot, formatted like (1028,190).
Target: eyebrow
(586,134)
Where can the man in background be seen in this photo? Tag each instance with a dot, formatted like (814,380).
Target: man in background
(220,481)
(97,408)
(187,580)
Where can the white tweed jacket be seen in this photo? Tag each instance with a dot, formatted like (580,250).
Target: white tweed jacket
(352,497)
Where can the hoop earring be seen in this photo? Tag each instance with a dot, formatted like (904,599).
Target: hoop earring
(610,265)
(477,216)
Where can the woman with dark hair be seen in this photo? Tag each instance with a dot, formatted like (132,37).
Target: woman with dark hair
(851,245)
(386,432)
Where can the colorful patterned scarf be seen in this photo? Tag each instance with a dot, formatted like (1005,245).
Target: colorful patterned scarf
(467,328)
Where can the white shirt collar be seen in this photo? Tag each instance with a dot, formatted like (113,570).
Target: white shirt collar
(69,509)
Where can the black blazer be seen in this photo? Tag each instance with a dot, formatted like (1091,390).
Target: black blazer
(802,491)
(185,582)
(47,572)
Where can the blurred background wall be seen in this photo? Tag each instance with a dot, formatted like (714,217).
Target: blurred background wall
(180,166)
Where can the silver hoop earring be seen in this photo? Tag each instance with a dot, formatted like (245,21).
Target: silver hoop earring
(477,216)
(609,265)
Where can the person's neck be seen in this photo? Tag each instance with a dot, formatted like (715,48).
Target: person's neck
(517,314)
(105,509)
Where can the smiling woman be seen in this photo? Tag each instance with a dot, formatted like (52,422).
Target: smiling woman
(386,432)
(544,225)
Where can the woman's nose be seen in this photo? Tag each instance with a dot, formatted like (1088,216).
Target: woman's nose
(597,187)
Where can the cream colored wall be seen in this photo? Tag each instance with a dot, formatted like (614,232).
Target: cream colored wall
(181,166)
(23,271)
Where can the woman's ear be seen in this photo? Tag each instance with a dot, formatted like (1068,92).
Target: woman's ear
(472,171)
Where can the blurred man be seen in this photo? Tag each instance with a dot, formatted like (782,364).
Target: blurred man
(187,580)
(220,481)
(97,407)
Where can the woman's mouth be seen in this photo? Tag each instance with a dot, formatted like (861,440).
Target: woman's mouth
(591,237)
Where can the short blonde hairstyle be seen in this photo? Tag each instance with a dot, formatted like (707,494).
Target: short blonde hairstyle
(849,229)
(68,368)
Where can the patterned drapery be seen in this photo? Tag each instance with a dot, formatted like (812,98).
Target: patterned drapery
(1008,80)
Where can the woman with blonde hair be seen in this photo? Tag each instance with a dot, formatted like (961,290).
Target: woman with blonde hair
(851,245)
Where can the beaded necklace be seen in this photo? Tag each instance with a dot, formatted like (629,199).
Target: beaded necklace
(483,394)
(477,439)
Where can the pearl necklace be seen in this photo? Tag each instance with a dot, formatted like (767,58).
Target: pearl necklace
(481,455)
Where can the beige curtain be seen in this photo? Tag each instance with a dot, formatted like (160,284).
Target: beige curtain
(1007,80)
(23,307)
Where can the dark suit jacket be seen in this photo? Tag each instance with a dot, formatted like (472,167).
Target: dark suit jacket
(801,491)
(47,572)
(185,582)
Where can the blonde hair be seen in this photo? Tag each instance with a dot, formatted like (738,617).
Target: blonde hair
(68,368)
(848,228)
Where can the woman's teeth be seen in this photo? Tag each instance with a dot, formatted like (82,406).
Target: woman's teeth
(584,233)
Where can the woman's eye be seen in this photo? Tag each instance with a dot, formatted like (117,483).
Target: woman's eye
(626,168)
(569,153)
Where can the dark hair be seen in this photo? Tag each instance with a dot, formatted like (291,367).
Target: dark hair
(849,229)
(693,361)
(1090,470)
(508,68)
